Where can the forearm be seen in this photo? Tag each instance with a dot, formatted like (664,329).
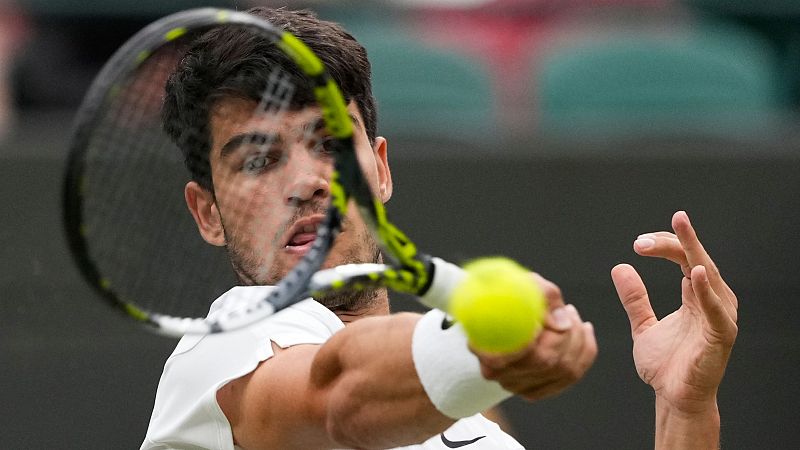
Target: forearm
(374,397)
(677,429)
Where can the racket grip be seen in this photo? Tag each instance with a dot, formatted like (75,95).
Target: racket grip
(446,276)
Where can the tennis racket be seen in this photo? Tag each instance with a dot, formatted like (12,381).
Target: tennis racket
(125,199)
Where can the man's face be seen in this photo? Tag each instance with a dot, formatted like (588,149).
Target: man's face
(271,182)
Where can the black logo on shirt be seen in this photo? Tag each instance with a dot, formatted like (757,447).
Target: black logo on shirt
(457,444)
(446,323)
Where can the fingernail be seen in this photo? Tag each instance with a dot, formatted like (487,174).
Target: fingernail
(573,313)
(646,236)
(702,274)
(561,317)
(644,243)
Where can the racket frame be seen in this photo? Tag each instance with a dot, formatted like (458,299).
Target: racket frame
(410,271)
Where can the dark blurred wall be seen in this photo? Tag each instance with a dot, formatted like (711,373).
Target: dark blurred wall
(75,375)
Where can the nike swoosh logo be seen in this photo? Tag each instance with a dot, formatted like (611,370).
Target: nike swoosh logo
(457,444)
(446,323)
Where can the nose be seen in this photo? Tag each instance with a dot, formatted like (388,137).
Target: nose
(308,178)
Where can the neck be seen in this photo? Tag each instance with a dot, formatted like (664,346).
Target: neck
(379,306)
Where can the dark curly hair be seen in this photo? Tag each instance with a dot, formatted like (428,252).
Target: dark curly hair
(235,62)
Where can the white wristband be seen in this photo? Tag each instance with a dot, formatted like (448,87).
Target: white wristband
(449,371)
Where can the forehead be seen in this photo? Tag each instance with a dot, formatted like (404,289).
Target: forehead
(234,114)
(231,116)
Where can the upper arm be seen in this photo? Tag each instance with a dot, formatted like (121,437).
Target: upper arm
(359,389)
(275,406)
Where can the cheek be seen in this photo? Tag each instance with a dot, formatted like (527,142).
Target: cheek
(249,209)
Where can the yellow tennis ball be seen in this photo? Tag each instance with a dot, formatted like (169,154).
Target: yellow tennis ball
(499,305)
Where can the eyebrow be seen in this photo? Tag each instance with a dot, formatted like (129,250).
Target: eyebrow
(259,138)
(318,124)
(255,137)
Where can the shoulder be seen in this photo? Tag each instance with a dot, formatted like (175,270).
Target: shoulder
(201,364)
(306,322)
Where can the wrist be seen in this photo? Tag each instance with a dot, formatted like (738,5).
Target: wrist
(449,372)
(692,425)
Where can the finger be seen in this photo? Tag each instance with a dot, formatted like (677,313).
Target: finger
(498,361)
(576,371)
(551,291)
(664,234)
(570,349)
(721,320)
(688,297)
(547,348)
(558,320)
(589,354)
(662,245)
(633,295)
(561,320)
(564,347)
(582,351)
(696,254)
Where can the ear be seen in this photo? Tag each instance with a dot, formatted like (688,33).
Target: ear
(380,149)
(203,206)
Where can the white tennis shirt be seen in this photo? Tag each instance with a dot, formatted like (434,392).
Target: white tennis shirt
(186,414)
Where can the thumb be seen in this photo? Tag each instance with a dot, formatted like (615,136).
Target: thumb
(634,298)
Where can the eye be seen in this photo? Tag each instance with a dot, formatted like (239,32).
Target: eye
(325,146)
(258,162)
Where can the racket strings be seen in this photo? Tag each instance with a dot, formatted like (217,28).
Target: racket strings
(135,178)
(155,150)
(138,231)
(108,170)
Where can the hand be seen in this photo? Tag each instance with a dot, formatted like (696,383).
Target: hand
(559,356)
(682,356)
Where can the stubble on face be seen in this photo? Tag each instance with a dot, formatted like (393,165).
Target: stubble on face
(251,269)
(259,259)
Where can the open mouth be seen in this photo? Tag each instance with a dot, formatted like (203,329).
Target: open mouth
(302,234)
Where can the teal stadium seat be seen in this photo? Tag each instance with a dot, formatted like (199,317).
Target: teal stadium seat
(428,92)
(423,92)
(777,20)
(715,81)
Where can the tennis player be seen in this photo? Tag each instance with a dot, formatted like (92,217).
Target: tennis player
(341,371)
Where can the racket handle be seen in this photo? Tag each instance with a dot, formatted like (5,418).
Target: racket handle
(446,276)
(497,302)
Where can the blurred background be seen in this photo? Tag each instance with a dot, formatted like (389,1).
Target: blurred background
(551,131)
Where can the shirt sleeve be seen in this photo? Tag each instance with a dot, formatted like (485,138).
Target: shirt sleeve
(186,413)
